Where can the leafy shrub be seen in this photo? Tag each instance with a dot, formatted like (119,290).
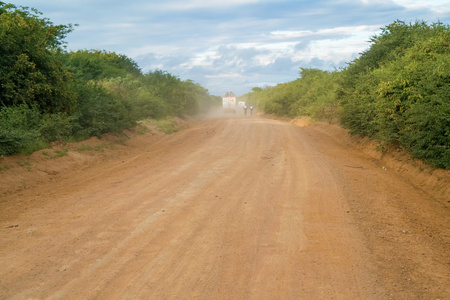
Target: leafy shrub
(19,130)
(403,98)
(54,127)
(167,125)
(48,94)
(31,70)
(99,112)
(96,65)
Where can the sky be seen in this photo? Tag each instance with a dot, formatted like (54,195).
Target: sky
(234,45)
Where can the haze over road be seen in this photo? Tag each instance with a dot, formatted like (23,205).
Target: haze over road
(230,208)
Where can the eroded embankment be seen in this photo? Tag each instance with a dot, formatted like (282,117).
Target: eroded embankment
(434,181)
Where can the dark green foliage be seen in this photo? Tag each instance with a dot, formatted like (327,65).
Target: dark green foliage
(31,71)
(159,95)
(19,129)
(98,112)
(359,114)
(24,130)
(404,97)
(172,90)
(55,127)
(96,65)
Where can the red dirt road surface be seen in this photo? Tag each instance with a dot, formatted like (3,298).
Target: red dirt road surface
(231,208)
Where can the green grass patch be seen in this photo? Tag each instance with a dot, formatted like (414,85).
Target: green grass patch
(36,145)
(121,139)
(77,138)
(167,126)
(61,153)
(4,168)
(56,153)
(26,164)
(83,148)
(99,148)
(142,129)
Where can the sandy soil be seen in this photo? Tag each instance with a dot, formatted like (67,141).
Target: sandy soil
(240,207)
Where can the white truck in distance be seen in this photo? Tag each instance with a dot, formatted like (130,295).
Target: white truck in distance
(229,102)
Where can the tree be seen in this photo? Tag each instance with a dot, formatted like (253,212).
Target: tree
(97,65)
(31,70)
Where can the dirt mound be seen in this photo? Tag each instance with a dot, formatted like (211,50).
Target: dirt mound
(21,172)
(301,122)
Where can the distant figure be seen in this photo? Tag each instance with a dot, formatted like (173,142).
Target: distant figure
(251,109)
(245,109)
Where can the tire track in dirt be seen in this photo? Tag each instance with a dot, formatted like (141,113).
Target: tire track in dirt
(233,208)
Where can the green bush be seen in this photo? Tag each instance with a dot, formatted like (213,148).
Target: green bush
(96,65)
(145,105)
(403,98)
(19,130)
(48,94)
(55,127)
(99,112)
(31,70)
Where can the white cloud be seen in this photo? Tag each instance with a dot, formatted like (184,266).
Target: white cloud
(280,34)
(226,75)
(333,44)
(339,49)
(199,4)
(435,5)
(272,55)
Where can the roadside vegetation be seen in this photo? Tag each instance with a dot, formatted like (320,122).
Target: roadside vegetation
(48,94)
(397,92)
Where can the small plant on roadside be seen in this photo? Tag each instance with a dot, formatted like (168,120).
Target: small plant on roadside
(121,138)
(4,168)
(99,148)
(61,153)
(84,147)
(26,164)
(56,153)
(167,126)
(142,129)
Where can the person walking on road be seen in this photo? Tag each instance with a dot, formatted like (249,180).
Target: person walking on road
(245,109)
(251,109)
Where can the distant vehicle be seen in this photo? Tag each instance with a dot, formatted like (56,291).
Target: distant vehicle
(229,102)
(241,104)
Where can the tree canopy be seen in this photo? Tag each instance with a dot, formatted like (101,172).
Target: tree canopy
(31,70)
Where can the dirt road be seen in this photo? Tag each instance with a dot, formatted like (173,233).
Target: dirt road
(231,208)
